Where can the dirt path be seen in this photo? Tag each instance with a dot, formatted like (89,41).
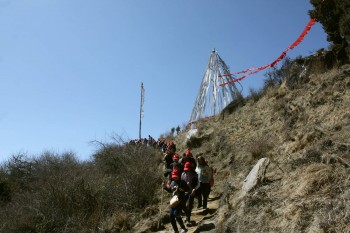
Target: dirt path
(201,220)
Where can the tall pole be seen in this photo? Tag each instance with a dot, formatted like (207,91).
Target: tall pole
(141,108)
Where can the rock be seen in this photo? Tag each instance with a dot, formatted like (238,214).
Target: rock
(255,176)
(345,69)
(196,140)
(190,133)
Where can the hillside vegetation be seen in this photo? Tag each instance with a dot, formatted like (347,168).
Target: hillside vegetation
(303,128)
(299,122)
(59,193)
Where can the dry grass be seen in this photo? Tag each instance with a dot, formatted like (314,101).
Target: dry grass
(258,147)
(301,193)
(117,222)
(58,193)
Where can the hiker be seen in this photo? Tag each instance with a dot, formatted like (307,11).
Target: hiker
(191,178)
(176,164)
(171,146)
(178,130)
(204,174)
(168,156)
(168,160)
(177,187)
(162,145)
(188,157)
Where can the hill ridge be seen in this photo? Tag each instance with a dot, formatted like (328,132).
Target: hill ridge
(304,131)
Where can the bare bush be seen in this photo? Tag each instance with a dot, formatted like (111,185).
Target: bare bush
(258,147)
(135,169)
(58,193)
(255,95)
(237,103)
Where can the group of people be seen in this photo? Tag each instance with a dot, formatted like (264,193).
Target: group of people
(150,141)
(188,178)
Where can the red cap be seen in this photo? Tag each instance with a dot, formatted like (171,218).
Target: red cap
(175,173)
(187,166)
(188,152)
(170,143)
(171,146)
(176,157)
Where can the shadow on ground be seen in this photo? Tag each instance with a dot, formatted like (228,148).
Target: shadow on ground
(205,227)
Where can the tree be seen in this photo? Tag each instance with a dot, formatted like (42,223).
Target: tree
(334,15)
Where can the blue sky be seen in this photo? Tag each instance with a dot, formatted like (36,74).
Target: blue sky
(70,70)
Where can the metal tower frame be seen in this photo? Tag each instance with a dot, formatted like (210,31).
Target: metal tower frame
(213,98)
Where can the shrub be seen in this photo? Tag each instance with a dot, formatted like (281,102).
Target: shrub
(258,147)
(238,102)
(58,193)
(255,95)
(273,78)
(135,169)
(19,169)
(5,192)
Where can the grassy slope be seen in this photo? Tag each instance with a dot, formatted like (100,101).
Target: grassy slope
(305,132)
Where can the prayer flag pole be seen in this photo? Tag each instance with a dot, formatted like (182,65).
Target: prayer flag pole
(141,107)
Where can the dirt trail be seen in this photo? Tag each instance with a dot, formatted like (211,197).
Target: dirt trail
(201,220)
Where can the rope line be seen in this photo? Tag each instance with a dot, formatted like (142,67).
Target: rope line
(272,64)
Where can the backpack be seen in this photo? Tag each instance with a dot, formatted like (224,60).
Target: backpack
(168,159)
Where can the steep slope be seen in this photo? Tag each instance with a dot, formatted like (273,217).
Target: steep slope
(305,133)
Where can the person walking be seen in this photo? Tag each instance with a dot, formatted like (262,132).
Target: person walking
(191,178)
(176,164)
(188,157)
(168,156)
(178,188)
(204,175)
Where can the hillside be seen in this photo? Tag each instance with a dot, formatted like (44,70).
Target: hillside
(296,127)
(303,129)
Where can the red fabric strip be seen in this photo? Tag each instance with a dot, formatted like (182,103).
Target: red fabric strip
(283,54)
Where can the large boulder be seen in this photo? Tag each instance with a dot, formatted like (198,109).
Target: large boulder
(255,176)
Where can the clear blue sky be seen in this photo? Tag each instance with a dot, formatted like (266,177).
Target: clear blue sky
(70,70)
